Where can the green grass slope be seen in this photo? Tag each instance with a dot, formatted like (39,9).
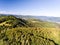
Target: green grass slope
(30,36)
(17,31)
(12,22)
(40,23)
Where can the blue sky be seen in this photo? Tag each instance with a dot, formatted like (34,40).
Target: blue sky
(31,7)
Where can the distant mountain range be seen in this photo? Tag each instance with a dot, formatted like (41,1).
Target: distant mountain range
(44,18)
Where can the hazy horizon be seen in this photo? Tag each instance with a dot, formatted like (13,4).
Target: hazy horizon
(31,7)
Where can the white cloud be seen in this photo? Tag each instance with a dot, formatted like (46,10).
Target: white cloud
(34,13)
(5,12)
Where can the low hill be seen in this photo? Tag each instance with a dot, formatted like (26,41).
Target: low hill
(19,31)
(40,23)
(12,21)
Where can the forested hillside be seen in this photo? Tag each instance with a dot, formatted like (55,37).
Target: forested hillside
(18,31)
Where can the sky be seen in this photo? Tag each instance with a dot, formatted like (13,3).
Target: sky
(31,7)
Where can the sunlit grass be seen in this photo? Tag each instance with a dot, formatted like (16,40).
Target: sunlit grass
(46,33)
